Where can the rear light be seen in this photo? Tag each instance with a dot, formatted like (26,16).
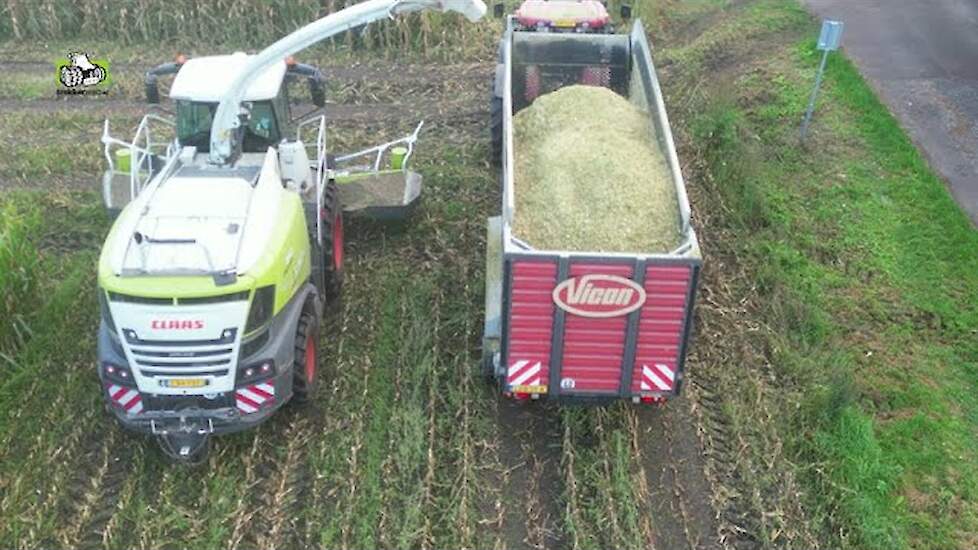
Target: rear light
(652,399)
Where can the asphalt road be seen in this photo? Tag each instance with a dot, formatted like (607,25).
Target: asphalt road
(921,56)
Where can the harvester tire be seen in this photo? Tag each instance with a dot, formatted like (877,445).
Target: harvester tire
(305,364)
(496,129)
(333,241)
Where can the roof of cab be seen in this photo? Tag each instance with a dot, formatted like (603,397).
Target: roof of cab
(208,78)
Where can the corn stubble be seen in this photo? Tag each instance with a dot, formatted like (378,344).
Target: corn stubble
(589,175)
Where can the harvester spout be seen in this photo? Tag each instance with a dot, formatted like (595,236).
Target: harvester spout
(228,117)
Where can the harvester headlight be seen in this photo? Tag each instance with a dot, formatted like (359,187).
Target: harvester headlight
(255,372)
(118,374)
(261,308)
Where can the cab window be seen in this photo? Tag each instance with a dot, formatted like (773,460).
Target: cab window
(262,128)
(194,120)
(194,123)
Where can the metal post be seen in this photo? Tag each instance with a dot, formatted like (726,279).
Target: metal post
(828,40)
(811,100)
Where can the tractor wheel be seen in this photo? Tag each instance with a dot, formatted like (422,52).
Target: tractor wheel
(72,76)
(496,129)
(333,241)
(305,363)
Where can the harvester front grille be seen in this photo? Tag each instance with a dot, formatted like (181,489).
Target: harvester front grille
(183,357)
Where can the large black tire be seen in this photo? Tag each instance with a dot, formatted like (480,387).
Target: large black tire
(496,129)
(305,363)
(333,241)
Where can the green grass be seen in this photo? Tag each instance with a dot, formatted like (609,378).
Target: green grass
(28,86)
(19,274)
(863,267)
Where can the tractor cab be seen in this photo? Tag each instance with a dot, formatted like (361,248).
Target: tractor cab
(563,16)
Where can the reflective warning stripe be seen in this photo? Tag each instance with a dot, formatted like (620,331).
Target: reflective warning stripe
(523,373)
(251,398)
(127,398)
(660,378)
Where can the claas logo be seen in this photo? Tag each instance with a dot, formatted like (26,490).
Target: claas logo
(177,324)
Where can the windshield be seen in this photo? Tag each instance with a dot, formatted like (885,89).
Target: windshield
(194,121)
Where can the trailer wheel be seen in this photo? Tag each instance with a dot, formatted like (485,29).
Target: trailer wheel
(333,240)
(305,363)
(496,130)
(488,367)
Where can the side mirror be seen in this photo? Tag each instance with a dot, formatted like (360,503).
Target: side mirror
(498,10)
(317,84)
(152,77)
(626,12)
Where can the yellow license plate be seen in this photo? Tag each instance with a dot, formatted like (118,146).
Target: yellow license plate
(530,389)
(565,23)
(185,382)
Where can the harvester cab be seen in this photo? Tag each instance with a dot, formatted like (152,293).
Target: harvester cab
(229,238)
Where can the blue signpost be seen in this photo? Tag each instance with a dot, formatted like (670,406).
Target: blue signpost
(828,40)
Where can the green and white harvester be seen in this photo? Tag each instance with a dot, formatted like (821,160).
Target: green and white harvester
(228,241)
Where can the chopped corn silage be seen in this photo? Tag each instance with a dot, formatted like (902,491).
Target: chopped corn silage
(589,175)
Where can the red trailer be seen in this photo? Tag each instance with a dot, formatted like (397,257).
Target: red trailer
(577,324)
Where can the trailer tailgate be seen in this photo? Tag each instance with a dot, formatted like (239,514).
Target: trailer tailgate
(597,327)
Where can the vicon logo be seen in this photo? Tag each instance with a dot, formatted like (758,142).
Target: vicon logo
(176,324)
(599,296)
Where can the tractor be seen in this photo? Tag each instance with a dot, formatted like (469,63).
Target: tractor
(228,239)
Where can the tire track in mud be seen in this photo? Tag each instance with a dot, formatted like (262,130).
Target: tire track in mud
(530,453)
(91,496)
(276,484)
(678,489)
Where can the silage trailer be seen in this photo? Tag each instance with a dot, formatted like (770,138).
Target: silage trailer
(580,325)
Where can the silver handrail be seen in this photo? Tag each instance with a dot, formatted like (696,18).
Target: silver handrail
(140,151)
(379,150)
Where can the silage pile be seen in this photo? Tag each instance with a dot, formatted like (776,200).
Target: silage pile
(590,176)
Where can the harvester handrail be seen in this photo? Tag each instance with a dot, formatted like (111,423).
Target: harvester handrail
(320,184)
(228,117)
(138,154)
(379,150)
